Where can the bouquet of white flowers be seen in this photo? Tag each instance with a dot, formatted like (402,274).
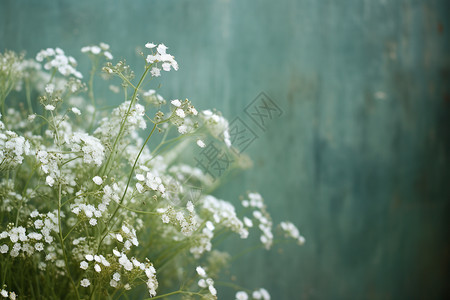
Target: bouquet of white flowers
(88,208)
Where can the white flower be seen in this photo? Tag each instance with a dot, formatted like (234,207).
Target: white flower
(93,222)
(97,268)
(89,257)
(113,283)
(190,206)
(95,50)
(151,58)
(241,295)
(248,222)
(165,218)
(39,247)
(91,147)
(49,88)
(49,107)
(200,271)
(182,129)
(201,144)
(31,117)
(84,265)
(108,55)
(85,282)
(125,262)
(180,113)
(104,46)
(49,180)
(150,45)
(202,283)
(256,295)
(166,66)
(116,276)
(98,180)
(265,294)
(76,111)
(139,187)
(4,249)
(292,231)
(161,49)
(176,103)
(212,290)
(4,293)
(119,237)
(156,72)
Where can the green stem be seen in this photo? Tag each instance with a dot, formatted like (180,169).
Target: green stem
(62,243)
(174,293)
(71,229)
(126,188)
(28,94)
(91,92)
(122,125)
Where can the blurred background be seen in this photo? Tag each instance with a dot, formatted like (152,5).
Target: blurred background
(357,155)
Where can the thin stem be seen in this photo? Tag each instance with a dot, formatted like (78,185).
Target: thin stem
(174,293)
(71,229)
(62,243)
(126,188)
(91,91)
(122,125)
(28,94)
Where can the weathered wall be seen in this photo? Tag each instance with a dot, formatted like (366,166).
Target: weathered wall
(359,157)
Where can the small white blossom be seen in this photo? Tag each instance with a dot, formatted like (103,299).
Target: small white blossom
(201,144)
(182,129)
(49,180)
(84,265)
(119,237)
(85,282)
(176,103)
(200,271)
(97,268)
(190,206)
(202,283)
(180,113)
(165,218)
(49,88)
(76,111)
(241,295)
(98,180)
(156,72)
(49,107)
(4,248)
(248,222)
(212,290)
(113,283)
(116,276)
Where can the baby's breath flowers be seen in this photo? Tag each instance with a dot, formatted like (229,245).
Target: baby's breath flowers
(89,208)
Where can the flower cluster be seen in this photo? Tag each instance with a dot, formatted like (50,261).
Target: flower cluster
(96,204)
(160,56)
(56,59)
(13,148)
(101,49)
(260,294)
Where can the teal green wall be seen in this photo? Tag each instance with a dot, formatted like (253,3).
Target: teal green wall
(365,177)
